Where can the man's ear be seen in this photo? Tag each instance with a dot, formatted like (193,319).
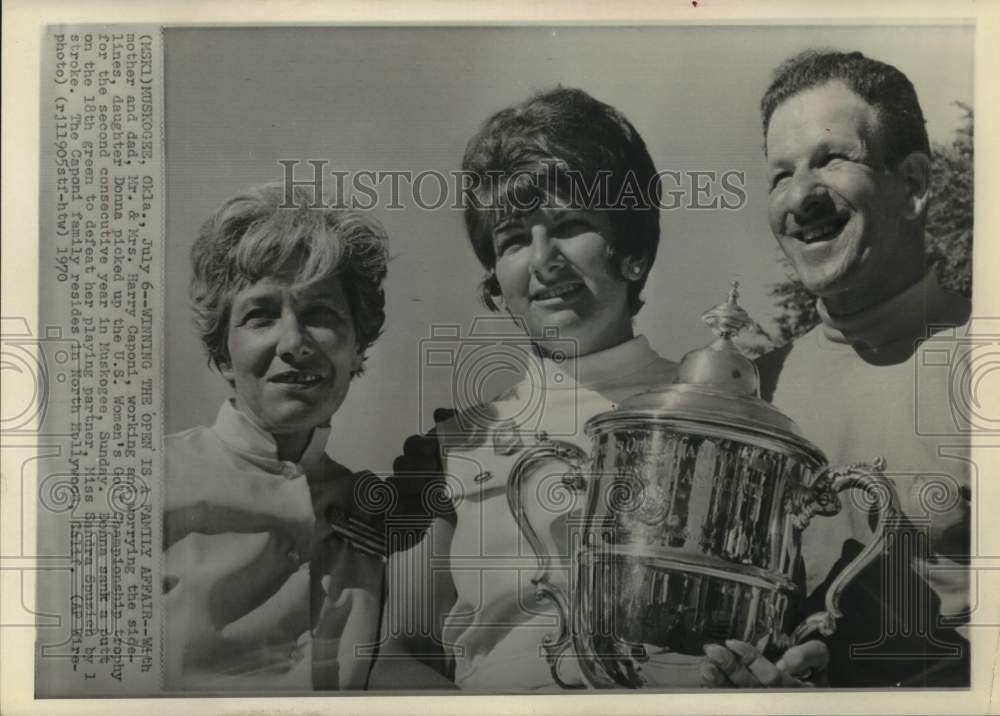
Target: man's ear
(915,170)
(357,362)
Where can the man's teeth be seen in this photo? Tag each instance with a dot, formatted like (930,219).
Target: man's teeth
(558,291)
(820,232)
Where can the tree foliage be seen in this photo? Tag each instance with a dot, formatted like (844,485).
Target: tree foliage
(796,307)
(949,219)
(948,233)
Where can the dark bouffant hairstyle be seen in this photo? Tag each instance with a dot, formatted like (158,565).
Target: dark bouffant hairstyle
(563,142)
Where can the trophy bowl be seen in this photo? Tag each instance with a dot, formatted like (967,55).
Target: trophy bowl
(696,498)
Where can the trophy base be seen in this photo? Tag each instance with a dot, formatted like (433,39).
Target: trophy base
(649,618)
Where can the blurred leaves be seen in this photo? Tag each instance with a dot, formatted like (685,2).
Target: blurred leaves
(949,219)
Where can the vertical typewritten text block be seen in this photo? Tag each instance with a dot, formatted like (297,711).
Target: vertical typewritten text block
(99,348)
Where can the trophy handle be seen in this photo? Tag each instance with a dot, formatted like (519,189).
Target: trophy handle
(575,458)
(823,500)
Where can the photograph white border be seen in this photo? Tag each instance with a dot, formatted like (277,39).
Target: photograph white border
(22,37)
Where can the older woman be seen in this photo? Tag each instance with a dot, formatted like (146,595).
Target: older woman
(273,572)
(565,221)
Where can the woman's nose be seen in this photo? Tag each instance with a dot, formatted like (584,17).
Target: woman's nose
(546,257)
(293,340)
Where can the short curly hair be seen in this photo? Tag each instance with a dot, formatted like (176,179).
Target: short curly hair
(881,85)
(265,232)
(586,145)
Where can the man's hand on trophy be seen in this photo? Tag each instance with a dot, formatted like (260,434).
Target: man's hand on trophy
(739,665)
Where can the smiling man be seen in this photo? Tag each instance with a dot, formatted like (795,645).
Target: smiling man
(849,175)
(846,213)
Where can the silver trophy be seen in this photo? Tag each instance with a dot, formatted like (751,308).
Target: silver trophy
(696,498)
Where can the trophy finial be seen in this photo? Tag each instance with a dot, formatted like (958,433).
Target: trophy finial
(728,319)
(721,364)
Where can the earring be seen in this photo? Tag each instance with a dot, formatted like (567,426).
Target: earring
(634,272)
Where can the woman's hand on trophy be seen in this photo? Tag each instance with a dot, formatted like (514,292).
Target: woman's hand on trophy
(740,665)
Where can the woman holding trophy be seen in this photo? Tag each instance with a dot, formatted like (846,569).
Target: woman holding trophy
(564,217)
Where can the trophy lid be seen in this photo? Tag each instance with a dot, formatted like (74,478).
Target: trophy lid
(717,385)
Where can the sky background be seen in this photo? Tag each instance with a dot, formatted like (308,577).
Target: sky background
(238,100)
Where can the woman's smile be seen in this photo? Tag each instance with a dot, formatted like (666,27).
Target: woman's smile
(297,378)
(558,293)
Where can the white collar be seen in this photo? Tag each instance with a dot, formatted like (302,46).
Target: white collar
(243,435)
(596,369)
